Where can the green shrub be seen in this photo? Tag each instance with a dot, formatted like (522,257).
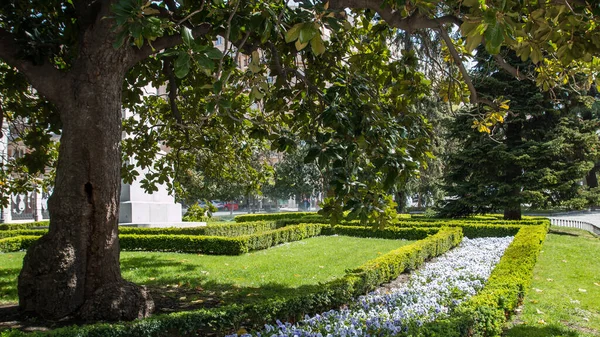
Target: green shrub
(275,237)
(184,243)
(21,232)
(25,225)
(394,233)
(16,243)
(195,213)
(212,229)
(272,216)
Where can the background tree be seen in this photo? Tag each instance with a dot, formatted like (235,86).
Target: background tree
(293,178)
(537,156)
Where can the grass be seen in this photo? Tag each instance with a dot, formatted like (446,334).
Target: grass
(564,298)
(186,281)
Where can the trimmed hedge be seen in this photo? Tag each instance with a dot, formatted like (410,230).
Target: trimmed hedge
(216,229)
(394,233)
(218,245)
(229,318)
(272,216)
(485,313)
(184,243)
(25,225)
(14,244)
(21,232)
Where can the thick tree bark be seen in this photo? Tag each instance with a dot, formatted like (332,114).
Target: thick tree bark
(512,213)
(401,202)
(74,269)
(591,179)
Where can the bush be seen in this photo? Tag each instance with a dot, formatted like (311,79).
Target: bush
(17,243)
(394,233)
(21,232)
(272,216)
(212,229)
(184,243)
(275,237)
(26,225)
(195,213)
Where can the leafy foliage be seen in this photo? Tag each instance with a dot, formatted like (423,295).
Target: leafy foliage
(536,157)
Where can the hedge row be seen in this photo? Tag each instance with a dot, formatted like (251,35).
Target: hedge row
(222,229)
(229,318)
(485,313)
(25,225)
(217,245)
(21,232)
(215,229)
(394,233)
(272,216)
(17,243)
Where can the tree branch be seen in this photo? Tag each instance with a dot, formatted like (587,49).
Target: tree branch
(168,70)
(393,17)
(167,41)
(47,80)
(509,68)
(463,71)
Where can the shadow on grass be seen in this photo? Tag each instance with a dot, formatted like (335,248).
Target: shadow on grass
(8,284)
(188,289)
(541,331)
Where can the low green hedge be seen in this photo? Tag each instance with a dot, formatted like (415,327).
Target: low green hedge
(217,245)
(21,232)
(394,233)
(184,243)
(275,237)
(485,313)
(229,318)
(25,225)
(272,216)
(212,229)
(14,244)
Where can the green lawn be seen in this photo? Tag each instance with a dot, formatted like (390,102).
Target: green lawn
(186,281)
(564,298)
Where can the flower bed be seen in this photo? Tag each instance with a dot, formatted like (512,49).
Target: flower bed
(430,293)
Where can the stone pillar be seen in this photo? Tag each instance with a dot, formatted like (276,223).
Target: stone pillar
(6,211)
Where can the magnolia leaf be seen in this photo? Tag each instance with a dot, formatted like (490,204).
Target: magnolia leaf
(214,53)
(186,35)
(182,65)
(317,45)
(307,32)
(293,33)
(473,42)
(300,45)
(494,36)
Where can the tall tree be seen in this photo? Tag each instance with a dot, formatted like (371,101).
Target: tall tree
(537,156)
(86,58)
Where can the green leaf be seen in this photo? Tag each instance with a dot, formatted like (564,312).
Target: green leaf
(307,32)
(182,65)
(186,35)
(300,45)
(494,36)
(214,53)
(317,45)
(293,33)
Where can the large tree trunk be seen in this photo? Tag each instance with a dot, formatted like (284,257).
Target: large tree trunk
(74,269)
(591,179)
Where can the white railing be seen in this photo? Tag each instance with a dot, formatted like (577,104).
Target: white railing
(590,227)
